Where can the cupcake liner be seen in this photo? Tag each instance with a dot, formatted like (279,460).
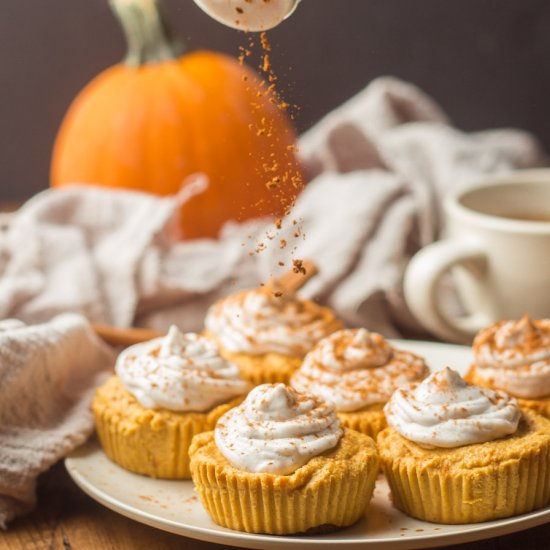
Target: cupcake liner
(160,451)
(514,486)
(270,368)
(149,442)
(278,505)
(368,422)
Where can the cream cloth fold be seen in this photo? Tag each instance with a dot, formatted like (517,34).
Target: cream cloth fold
(47,375)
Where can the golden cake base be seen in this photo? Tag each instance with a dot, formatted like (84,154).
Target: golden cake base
(154,443)
(473,483)
(330,491)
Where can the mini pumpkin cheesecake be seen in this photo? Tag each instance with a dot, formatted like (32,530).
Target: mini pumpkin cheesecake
(281,463)
(514,356)
(460,453)
(267,333)
(163,393)
(356,371)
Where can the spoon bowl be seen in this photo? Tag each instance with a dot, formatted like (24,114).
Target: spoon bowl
(251,15)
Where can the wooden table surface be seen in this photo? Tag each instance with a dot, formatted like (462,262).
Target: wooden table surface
(67,519)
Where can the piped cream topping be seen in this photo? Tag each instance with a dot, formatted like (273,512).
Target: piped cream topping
(258,321)
(515,356)
(179,372)
(354,368)
(445,411)
(276,430)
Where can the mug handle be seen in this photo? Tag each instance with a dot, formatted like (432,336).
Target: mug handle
(420,287)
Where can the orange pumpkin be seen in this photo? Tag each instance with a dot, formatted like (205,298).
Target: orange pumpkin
(149,123)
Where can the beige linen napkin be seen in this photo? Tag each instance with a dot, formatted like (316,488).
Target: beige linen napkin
(47,374)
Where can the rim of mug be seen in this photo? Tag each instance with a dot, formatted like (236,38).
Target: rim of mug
(453,205)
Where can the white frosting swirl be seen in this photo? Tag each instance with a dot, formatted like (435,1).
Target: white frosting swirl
(276,430)
(257,322)
(445,411)
(354,368)
(179,372)
(515,356)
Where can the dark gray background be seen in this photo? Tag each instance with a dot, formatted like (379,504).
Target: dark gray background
(486,61)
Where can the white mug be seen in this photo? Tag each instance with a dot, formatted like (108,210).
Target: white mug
(497,247)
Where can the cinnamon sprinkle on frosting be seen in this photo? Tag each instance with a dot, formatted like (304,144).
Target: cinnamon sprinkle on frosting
(179,372)
(354,368)
(276,430)
(256,322)
(444,411)
(515,356)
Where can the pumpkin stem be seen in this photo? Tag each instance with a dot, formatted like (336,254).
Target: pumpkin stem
(148,35)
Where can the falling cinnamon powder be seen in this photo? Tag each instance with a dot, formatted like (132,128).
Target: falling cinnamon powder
(280,174)
(298,267)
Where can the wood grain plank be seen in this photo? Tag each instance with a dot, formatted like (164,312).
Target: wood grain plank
(67,519)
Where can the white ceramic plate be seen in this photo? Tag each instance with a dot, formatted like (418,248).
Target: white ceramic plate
(174,506)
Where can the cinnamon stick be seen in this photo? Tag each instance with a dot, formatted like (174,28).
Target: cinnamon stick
(125,336)
(294,279)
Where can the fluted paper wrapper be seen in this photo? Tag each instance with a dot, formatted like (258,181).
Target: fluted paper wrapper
(270,368)
(514,485)
(266,503)
(368,422)
(148,442)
